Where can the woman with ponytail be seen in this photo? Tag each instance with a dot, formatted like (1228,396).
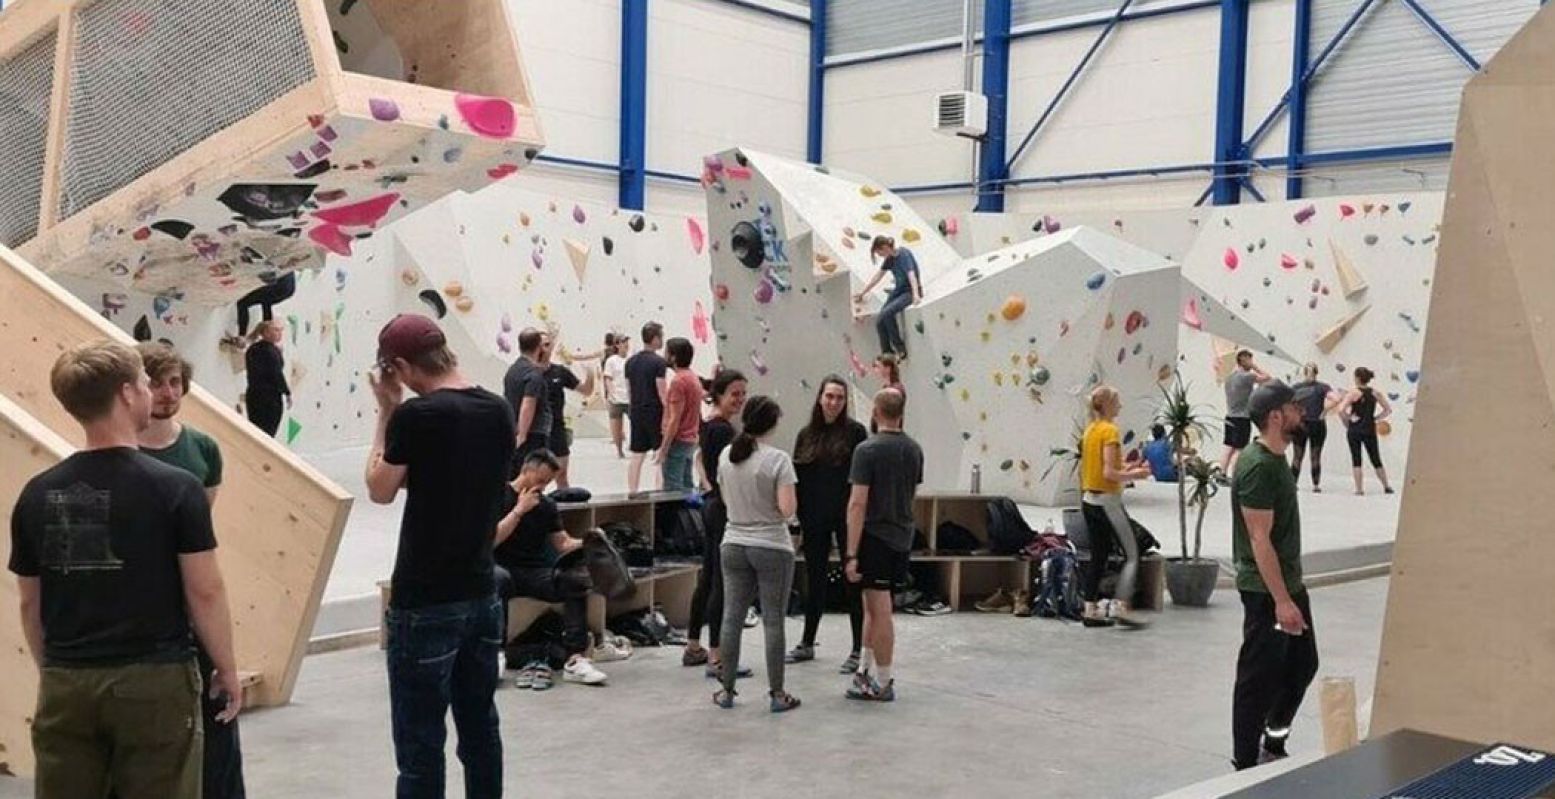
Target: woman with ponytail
(1102,476)
(757,481)
(707,600)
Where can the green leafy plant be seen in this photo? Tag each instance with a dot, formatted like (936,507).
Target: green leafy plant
(1070,454)
(1206,485)
(1185,422)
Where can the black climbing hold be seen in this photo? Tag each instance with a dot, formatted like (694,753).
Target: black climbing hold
(636,223)
(143,329)
(176,228)
(435,302)
(609,245)
(745,244)
(266,201)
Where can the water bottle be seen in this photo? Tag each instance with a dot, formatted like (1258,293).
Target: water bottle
(977,478)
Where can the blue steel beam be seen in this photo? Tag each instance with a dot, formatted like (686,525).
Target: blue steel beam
(1441,33)
(1079,69)
(991,169)
(634,104)
(1231,97)
(1317,63)
(815,136)
(1300,62)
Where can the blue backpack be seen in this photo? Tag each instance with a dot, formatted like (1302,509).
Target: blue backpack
(1058,586)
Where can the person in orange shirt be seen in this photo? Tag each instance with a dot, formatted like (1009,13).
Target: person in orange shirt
(1102,475)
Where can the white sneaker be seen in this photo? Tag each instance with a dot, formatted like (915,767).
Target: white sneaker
(610,649)
(751,618)
(581,670)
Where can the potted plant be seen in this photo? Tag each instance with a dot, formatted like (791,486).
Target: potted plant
(1068,456)
(1189,579)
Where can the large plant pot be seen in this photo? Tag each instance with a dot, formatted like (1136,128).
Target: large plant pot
(1191,582)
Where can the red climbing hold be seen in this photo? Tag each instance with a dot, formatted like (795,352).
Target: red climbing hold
(493,117)
(367,213)
(331,238)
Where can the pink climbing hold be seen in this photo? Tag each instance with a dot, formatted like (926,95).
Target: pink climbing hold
(952,226)
(331,238)
(1050,225)
(1190,315)
(578,215)
(721,292)
(367,213)
(1231,259)
(700,329)
(1346,211)
(764,292)
(1305,214)
(383,109)
(492,117)
(739,172)
(501,171)
(1289,261)
(698,238)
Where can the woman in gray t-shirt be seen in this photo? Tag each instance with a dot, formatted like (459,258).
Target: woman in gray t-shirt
(757,481)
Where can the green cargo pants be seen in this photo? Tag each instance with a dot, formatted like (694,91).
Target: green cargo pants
(134,729)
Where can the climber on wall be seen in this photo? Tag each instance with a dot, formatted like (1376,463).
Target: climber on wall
(907,291)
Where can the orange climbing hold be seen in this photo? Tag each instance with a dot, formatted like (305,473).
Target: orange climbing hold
(1014,307)
(454,288)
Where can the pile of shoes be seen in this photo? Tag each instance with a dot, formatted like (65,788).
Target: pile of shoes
(647,627)
(920,603)
(1004,601)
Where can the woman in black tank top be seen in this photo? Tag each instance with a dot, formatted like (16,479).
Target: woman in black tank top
(1360,413)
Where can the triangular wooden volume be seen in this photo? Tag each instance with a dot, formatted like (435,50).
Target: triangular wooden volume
(1350,280)
(1330,338)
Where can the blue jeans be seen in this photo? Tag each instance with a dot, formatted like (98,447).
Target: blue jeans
(677,466)
(445,656)
(887,322)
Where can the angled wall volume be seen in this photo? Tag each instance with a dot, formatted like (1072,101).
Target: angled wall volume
(1467,649)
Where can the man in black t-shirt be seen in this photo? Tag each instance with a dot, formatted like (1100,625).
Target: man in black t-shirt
(449,448)
(530,540)
(646,386)
(558,379)
(528,394)
(115,560)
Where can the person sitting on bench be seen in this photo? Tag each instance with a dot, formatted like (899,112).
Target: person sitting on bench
(529,541)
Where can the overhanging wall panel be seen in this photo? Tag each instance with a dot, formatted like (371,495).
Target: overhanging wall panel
(1393,81)
(26,84)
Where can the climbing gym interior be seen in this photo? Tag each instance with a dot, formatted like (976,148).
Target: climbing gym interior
(998,208)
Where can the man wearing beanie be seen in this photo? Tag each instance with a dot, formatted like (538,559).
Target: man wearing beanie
(1279,648)
(449,448)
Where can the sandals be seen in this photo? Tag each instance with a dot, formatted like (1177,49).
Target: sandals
(800,654)
(693,657)
(724,699)
(782,701)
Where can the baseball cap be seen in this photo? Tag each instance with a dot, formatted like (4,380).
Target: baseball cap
(1270,396)
(408,336)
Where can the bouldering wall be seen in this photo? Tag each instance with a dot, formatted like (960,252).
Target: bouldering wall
(488,265)
(1467,649)
(257,146)
(1340,282)
(278,521)
(1012,340)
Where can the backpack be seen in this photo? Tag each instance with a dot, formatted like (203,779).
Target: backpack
(1008,532)
(680,531)
(607,568)
(633,545)
(953,539)
(1057,588)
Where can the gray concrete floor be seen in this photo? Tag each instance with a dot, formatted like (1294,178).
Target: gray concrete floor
(988,705)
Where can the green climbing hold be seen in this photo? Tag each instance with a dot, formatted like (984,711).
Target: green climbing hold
(918,326)
(1007,465)
(293,428)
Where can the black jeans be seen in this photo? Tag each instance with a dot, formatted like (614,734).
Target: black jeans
(570,588)
(444,656)
(1272,674)
(707,600)
(1367,440)
(264,410)
(223,773)
(1313,432)
(819,533)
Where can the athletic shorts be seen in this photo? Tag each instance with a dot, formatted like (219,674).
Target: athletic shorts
(618,410)
(1239,431)
(881,567)
(646,435)
(561,442)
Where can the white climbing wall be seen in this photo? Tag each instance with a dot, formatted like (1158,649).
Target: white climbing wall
(1287,283)
(493,262)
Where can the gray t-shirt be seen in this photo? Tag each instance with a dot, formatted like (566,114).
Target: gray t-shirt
(749,490)
(891,464)
(526,379)
(1239,387)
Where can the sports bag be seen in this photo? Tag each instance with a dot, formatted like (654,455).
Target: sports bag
(1008,532)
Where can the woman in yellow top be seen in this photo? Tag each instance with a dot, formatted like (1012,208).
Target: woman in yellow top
(1102,475)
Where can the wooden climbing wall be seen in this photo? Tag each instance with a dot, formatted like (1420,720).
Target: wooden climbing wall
(1468,646)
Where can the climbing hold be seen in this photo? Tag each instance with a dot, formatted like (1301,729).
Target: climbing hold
(869,191)
(1367,208)
(293,429)
(1039,376)
(578,214)
(453,288)
(578,253)
(1231,259)
(1164,373)
(434,302)
(492,117)
(1134,322)
(1050,225)
(1014,307)
(1305,214)
(636,223)
(1404,207)
(523,219)
(911,236)
(758,363)
(1109,322)
(1412,375)
(1371,239)
(764,291)
(537,258)
(698,237)
(1096,281)
(1346,211)
(1288,261)
(1190,315)
(383,109)
(883,217)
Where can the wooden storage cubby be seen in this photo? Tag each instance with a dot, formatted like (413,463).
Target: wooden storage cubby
(672,582)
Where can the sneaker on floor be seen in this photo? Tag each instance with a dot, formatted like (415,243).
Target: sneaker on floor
(715,671)
(1097,621)
(582,670)
(932,607)
(526,678)
(693,657)
(999,602)
(849,666)
(610,650)
(543,678)
(782,702)
(800,654)
(862,686)
(1022,604)
(752,618)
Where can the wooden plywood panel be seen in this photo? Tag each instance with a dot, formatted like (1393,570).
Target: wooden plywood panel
(1466,649)
(26,448)
(278,521)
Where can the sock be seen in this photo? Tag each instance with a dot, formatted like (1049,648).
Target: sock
(867,661)
(885,676)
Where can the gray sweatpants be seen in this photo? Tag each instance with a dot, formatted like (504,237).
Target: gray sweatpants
(748,571)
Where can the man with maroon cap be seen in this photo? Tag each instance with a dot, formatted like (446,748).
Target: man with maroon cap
(449,448)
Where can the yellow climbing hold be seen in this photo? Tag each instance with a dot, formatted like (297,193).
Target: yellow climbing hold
(883,217)
(998,378)
(1109,323)
(464,304)
(1031,359)
(543,311)
(965,395)
(986,336)
(911,236)
(869,191)
(409,277)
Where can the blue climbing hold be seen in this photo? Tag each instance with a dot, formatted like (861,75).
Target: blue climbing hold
(1097,281)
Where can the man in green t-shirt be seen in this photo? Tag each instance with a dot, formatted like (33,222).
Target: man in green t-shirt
(1279,648)
(177,444)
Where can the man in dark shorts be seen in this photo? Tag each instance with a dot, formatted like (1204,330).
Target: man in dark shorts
(450,448)
(885,475)
(528,394)
(1239,386)
(558,380)
(177,444)
(647,384)
(1279,645)
(115,561)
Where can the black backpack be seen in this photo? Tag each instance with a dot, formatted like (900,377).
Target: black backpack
(1008,532)
(680,531)
(632,543)
(953,539)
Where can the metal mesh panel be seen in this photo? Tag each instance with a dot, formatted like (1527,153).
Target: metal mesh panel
(152,78)
(26,85)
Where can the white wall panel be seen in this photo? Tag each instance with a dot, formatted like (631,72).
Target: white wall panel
(572,52)
(880,117)
(1270,35)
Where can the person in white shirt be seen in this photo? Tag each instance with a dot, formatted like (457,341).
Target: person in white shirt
(616,348)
